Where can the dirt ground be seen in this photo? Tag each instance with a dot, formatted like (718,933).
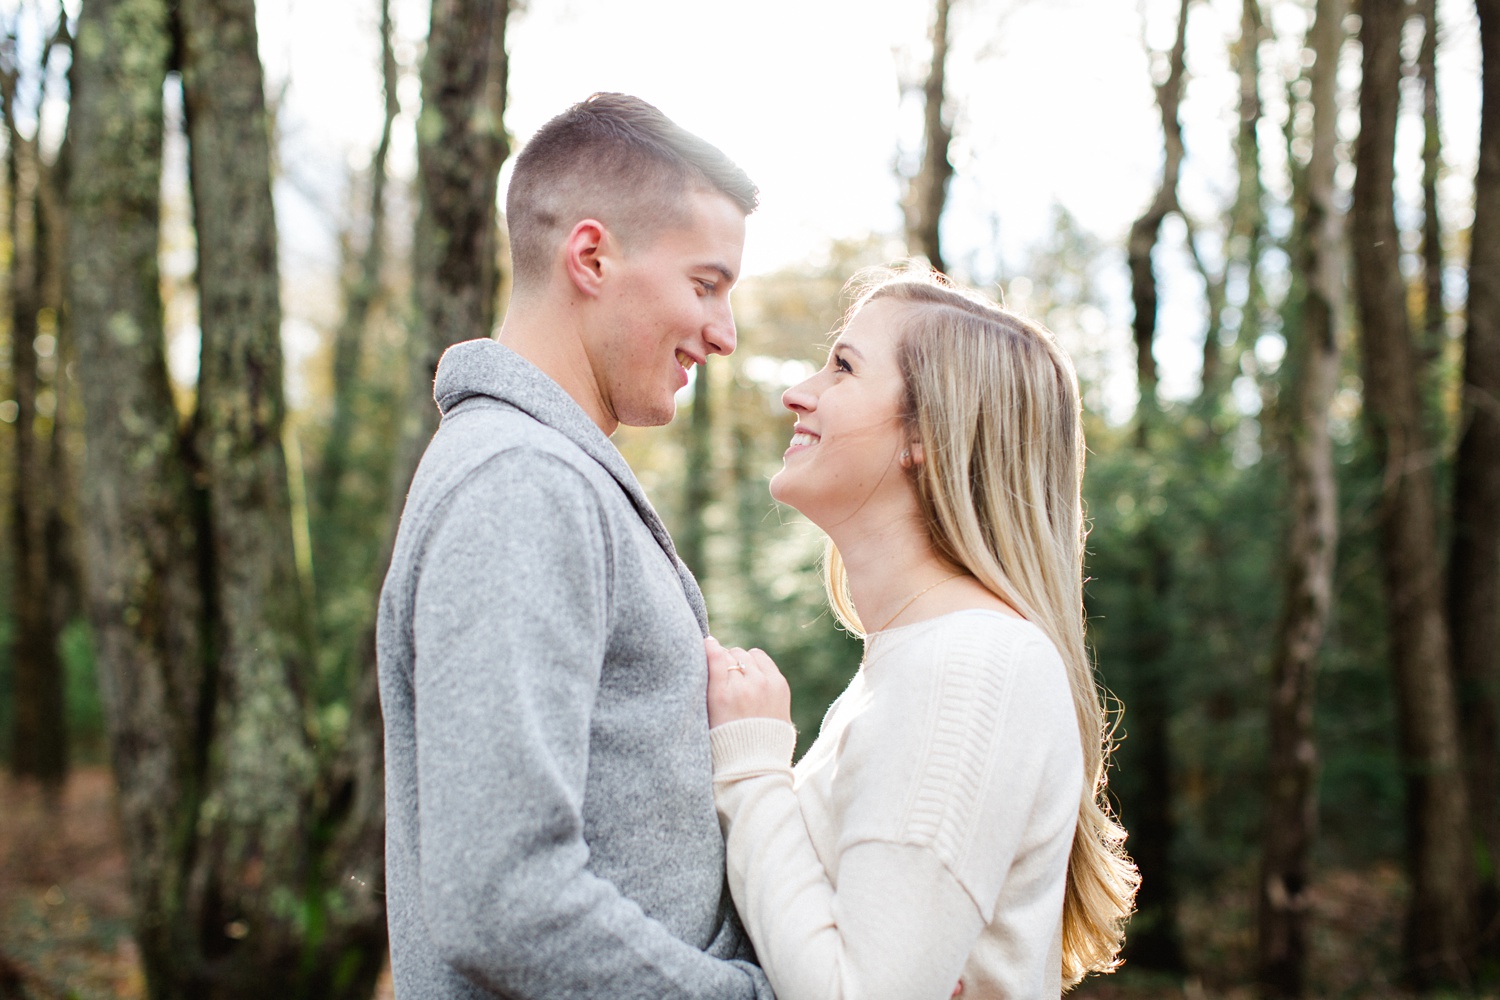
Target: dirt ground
(64,912)
(64,895)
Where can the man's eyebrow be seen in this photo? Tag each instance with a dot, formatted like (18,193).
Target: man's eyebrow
(722,269)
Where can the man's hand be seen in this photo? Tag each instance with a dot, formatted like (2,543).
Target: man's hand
(744,684)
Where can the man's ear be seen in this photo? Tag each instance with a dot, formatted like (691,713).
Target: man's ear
(583,255)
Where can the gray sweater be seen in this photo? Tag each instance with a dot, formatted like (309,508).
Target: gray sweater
(550,820)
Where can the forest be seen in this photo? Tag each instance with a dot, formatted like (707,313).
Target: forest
(1293,564)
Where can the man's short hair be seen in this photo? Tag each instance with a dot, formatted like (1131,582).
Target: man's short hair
(617,159)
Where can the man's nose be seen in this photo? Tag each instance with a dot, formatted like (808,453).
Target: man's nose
(720,335)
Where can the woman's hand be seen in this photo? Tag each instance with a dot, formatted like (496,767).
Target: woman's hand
(744,684)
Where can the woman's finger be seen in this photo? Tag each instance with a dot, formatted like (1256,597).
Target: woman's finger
(762,659)
(744,662)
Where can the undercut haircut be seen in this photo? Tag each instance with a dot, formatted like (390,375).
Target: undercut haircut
(617,159)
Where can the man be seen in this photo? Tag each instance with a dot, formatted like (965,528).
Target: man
(551,829)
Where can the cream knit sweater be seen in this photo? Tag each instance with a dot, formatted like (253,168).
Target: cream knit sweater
(923,840)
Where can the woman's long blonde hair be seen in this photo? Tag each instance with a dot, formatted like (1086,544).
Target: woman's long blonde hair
(994,403)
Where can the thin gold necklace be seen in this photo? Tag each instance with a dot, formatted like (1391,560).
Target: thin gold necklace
(913,599)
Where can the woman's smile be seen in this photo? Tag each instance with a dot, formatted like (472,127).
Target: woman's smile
(849,411)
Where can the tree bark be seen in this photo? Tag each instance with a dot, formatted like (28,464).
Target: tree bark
(1474,560)
(193,586)
(461,145)
(697,485)
(40,737)
(1434,316)
(927,193)
(254,825)
(1291,801)
(1145,230)
(360,295)
(142,511)
(1154,938)
(1248,218)
(261,833)
(1440,922)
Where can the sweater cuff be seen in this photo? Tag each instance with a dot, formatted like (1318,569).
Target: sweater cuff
(750,746)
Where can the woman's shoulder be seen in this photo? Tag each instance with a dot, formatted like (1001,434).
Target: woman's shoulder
(978,666)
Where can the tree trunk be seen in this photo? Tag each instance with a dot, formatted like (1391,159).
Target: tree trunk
(193,588)
(40,747)
(64,568)
(1246,231)
(1144,232)
(1291,801)
(1154,938)
(1474,561)
(461,145)
(697,483)
(1440,925)
(927,193)
(1434,317)
(142,512)
(261,832)
(254,825)
(360,295)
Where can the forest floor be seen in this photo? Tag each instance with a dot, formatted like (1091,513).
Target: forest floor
(65,895)
(64,916)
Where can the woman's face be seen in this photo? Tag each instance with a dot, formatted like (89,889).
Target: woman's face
(846,452)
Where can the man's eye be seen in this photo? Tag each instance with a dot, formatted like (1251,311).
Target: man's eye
(707,287)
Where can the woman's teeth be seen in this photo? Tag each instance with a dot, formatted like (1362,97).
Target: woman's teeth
(802,438)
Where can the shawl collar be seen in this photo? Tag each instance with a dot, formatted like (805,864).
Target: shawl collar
(488,368)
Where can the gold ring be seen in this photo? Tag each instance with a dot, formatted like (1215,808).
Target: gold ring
(736,665)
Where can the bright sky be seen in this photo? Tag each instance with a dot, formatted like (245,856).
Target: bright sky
(1053,99)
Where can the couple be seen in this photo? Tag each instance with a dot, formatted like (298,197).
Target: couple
(556,790)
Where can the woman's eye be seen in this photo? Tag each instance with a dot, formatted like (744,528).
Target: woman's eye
(841,365)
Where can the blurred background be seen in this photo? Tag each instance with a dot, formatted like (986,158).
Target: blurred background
(236,236)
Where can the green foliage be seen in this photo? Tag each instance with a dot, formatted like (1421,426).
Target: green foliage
(87,735)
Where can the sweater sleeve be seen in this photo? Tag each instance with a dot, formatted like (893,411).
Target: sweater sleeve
(933,780)
(890,921)
(510,629)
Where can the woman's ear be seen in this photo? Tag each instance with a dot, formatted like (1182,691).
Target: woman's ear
(911,455)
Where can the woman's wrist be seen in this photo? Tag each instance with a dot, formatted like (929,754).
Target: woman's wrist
(752,745)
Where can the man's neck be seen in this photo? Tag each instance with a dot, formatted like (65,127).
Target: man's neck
(548,334)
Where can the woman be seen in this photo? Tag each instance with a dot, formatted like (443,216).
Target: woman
(948,826)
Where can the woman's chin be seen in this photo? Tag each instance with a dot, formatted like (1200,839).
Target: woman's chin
(782,492)
(777,487)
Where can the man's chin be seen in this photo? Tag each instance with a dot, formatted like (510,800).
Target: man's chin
(650,417)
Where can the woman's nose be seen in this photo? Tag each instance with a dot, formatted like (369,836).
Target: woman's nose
(800,397)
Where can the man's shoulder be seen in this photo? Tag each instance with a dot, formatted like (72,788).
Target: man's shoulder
(486,432)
